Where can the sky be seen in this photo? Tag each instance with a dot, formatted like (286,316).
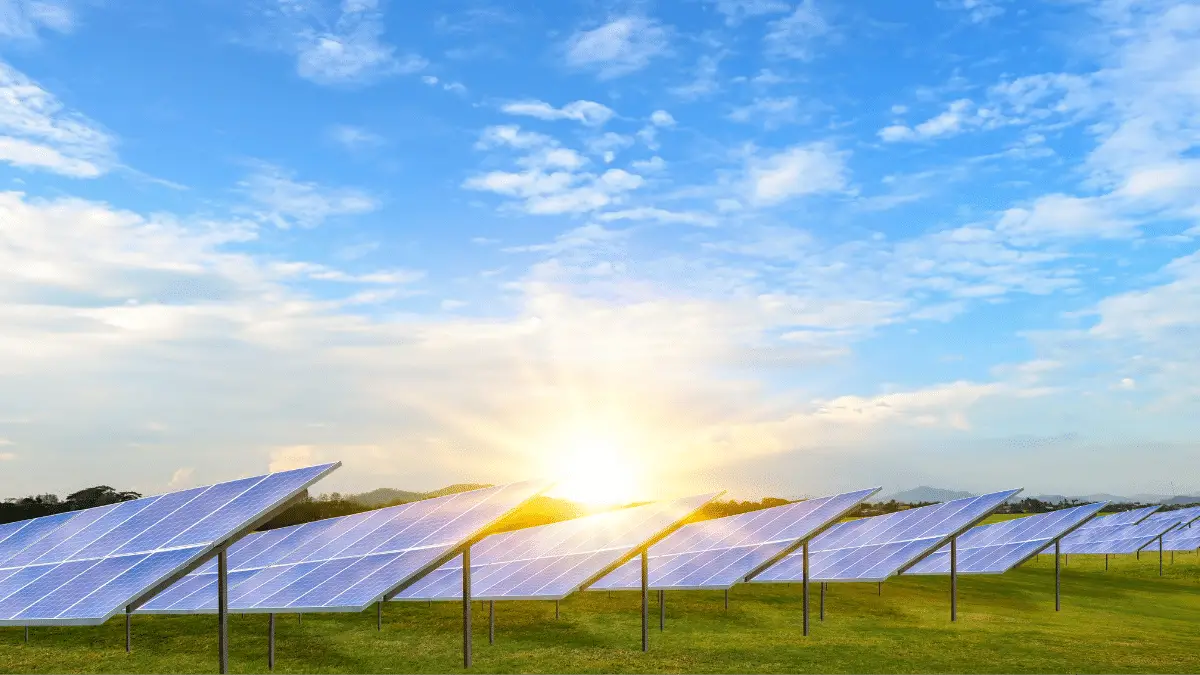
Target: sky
(777,247)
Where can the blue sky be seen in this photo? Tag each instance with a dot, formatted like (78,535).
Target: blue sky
(773,246)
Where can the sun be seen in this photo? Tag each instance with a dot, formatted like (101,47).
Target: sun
(595,472)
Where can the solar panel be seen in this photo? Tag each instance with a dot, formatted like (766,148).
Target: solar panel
(1114,538)
(1183,538)
(873,549)
(344,564)
(549,562)
(999,547)
(82,567)
(721,552)
(1129,517)
(1182,517)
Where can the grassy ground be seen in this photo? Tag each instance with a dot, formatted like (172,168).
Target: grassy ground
(1125,620)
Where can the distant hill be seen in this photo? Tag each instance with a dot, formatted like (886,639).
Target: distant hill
(1180,500)
(925,493)
(385,496)
(381,496)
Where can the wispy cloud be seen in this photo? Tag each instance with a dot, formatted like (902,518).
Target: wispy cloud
(24,19)
(619,47)
(37,132)
(343,45)
(283,201)
(797,171)
(587,113)
(351,137)
(795,35)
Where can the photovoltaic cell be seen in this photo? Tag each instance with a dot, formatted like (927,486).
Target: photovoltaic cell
(719,553)
(343,564)
(999,547)
(549,562)
(873,549)
(81,567)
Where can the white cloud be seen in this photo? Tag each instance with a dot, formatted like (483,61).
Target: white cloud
(8,456)
(619,47)
(607,145)
(737,10)
(349,49)
(771,112)
(181,478)
(36,132)
(801,170)
(793,36)
(1059,216)
(511,135)
(662,118)
(651,165)
(354,138)
(977,11)
(24,19)
(587,113)
(659,215)
(283,201)
(704,81)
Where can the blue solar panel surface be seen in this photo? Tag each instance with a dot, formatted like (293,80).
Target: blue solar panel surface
(873,549)
(549,562)
(1183,538)
(999,547)
(82,567)
(1123,518)
(1114,538)
(343,564)
(1182,517)
(719,553)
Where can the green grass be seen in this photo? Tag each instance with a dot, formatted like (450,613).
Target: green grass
(1125,620)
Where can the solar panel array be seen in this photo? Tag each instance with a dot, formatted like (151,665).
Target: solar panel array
(1129,517)
(549,562)
(82,567)
(1182,517)
(347,563)
(1183,538)
(999,547)
(719,553)
(1114,538)
(873,549)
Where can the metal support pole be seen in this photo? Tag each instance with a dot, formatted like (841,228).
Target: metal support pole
(466,594)
(1160,556)
(726,599)
(271,641)
(662,610)
(645,600)
(806,587)
(1057,578)
(556,609)
(379,615)
(1105,562)
(491,622)
(128,631)
(879,588)
(223,611)
(954,579)
(299,619)
(26,634)
(822,600)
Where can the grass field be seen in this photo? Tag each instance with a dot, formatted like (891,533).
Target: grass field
(1125,620)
